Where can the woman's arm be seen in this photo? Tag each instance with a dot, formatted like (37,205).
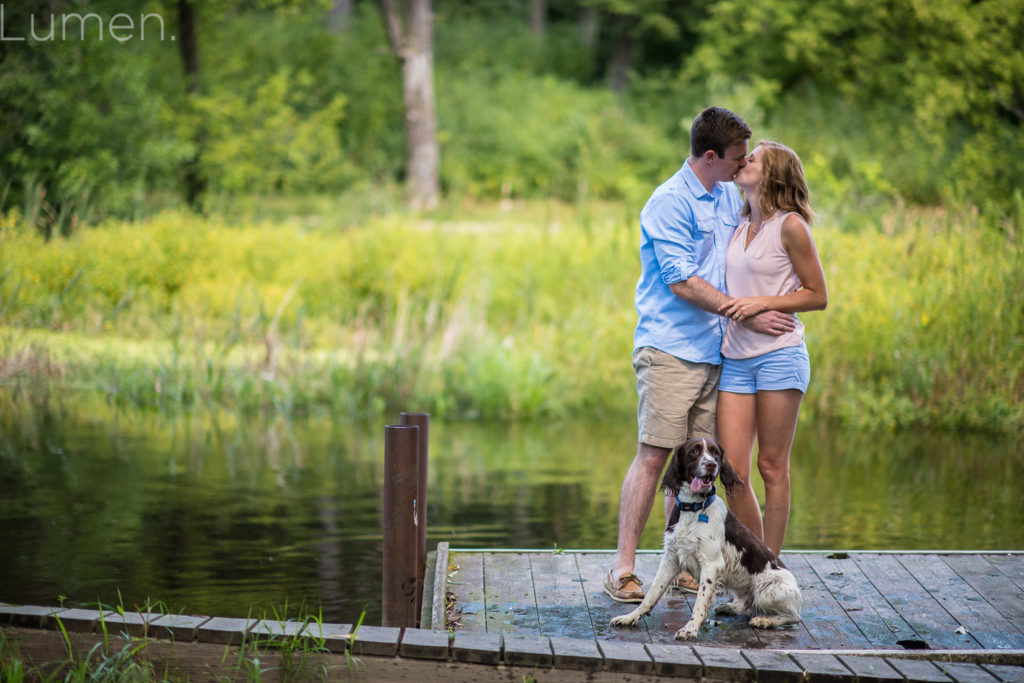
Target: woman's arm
(813,294)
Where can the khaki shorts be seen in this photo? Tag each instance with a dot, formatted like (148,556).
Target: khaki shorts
(678,399)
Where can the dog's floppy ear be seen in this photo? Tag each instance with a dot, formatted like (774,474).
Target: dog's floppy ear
(728,476)
(673,479)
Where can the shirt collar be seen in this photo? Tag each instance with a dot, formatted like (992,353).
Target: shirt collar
(691,180)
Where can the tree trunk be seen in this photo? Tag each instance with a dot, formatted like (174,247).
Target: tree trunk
(622,58)
(194,182)
(414,46)
(339,16)
(538,17)
(588,25)
(187,44)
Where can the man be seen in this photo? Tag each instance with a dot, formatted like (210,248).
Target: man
(685,228)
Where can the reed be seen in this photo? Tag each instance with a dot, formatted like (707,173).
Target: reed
(517,312)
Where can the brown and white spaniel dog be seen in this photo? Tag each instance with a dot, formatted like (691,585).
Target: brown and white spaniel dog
(706,539)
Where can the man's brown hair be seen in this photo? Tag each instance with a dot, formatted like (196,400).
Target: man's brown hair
(716,129)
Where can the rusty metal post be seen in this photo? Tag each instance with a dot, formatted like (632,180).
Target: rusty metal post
(421,420)
(399,590)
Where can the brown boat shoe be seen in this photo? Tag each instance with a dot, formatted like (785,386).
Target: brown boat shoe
(627,588)
(685,582)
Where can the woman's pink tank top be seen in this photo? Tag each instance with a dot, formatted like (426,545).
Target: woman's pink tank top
(761,269)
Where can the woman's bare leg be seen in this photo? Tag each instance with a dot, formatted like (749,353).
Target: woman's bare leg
(777,412)
(737,425)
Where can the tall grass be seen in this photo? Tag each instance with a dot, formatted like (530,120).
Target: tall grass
(517,312)
(926,326)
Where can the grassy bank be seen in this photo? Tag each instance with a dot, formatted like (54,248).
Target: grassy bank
(517,312)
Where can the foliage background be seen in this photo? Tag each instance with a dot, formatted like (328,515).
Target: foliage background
(301,282)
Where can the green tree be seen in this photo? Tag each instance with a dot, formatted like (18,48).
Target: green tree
(410,28)
(645,34)
(81,130)
(954,67)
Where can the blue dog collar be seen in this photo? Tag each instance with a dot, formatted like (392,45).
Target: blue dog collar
(682,506)
(696,507)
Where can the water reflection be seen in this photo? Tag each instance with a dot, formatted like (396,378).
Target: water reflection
(219,514)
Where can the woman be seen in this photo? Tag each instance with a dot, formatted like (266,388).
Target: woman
(771,264)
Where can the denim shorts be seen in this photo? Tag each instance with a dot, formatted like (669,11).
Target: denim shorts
(785,368)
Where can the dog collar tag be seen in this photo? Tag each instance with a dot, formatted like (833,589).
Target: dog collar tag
(702,517)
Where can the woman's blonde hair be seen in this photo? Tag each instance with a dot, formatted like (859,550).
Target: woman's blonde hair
(782,186)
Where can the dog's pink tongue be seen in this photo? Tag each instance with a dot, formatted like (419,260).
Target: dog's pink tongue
(697,484)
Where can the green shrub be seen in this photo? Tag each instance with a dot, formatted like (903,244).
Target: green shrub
(518,135)
(517,314)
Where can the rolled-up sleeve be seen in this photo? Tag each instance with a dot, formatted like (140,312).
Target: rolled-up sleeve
(669,224)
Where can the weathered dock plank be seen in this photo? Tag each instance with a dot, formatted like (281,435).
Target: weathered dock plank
(918,670)
(1010,674)
(967,672)
(577,653)
(913,603)
(422,644)
(822,667)
(790,637)
(671,659)
(833,628)
(855,603)
(870,669)
(381,641)
(732,631)
(725,664)
(559,594)
(414,655)
(1010,565)
(1003,595)
(180,627)
(511,605)
(672,611)
(226,630)
(592,569)
(467,585)
(528,651)
(963,603)
(772,666)
(268,630)
(477,648)
(333,637)
(30,616)
(77,620)
(864,605)
(626,657)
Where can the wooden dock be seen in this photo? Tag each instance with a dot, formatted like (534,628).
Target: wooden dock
(893,607)
(542,615)
(852,600)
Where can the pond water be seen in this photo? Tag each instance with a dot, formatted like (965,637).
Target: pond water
(213,513)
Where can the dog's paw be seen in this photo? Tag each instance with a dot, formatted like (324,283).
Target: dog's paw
(761,622)
(626,619)
(687,632)
(726,608)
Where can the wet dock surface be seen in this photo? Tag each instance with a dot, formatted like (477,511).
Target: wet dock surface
(852,601)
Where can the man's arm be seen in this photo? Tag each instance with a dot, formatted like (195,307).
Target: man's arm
(775,323)
(701,294)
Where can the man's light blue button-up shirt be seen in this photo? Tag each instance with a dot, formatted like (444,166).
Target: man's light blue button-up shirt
(684,231)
